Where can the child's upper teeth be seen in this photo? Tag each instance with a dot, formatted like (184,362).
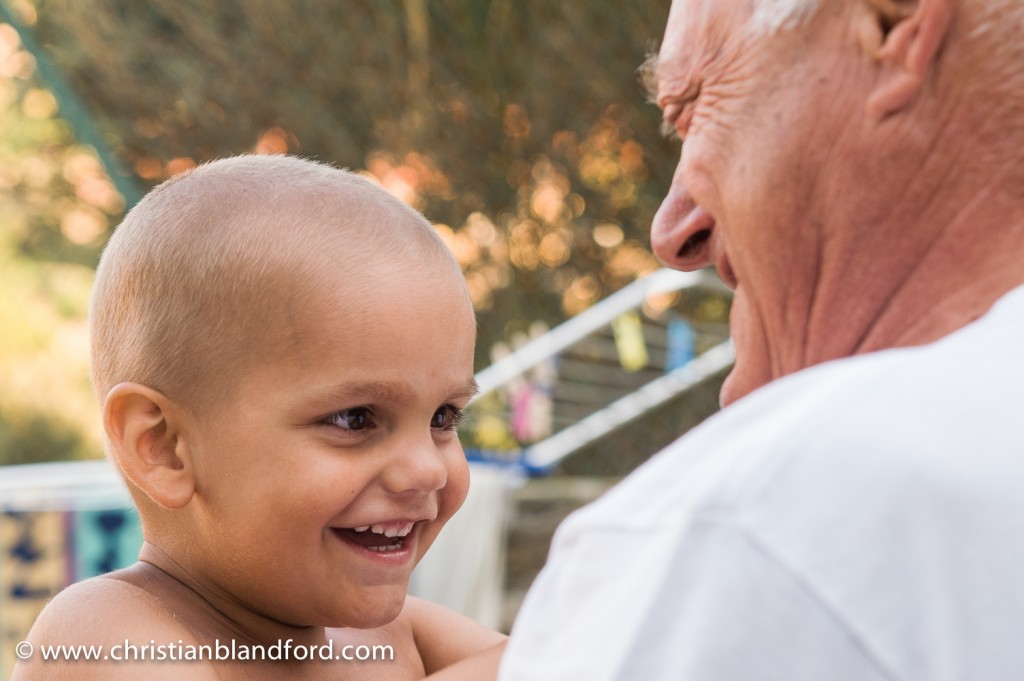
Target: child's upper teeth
(390,532)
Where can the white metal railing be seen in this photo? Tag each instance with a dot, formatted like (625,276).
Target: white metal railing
(61,485)
(587,322)
(546,453)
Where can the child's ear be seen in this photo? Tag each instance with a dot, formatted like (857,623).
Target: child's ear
(904,37)
(145,433)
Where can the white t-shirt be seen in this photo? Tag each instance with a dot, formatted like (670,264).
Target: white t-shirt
(859,520)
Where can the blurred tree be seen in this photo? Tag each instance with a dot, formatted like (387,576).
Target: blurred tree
(518,127)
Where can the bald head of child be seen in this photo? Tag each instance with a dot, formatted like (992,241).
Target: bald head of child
(282,350)
(204,273)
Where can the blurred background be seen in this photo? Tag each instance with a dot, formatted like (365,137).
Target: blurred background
(519,128)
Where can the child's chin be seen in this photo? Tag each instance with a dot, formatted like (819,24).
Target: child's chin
(372,613)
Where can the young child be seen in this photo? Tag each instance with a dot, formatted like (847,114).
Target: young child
(282,351)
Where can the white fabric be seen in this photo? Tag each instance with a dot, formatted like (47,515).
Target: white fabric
(465,568)
(860,520)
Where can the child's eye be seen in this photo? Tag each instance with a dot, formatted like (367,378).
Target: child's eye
(447,417)
(359,418)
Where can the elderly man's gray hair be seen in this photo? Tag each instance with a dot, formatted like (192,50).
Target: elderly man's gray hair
(773,15)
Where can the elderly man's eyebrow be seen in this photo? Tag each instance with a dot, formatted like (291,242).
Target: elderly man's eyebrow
(648,74)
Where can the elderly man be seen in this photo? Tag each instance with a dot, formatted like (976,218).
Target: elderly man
(855,170)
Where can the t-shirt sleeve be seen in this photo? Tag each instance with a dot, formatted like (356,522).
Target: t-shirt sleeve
(711,605)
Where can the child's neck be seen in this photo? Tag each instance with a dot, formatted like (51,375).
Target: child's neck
(216,612)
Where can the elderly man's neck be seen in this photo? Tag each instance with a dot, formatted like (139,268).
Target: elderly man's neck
(972,254)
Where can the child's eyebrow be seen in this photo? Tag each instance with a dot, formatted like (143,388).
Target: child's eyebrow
(395,391)
(469,390)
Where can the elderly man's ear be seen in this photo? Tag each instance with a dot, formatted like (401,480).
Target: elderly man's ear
(144,429)
(903,37)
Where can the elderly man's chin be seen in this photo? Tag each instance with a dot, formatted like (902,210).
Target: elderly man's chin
(740,382)
(752,368)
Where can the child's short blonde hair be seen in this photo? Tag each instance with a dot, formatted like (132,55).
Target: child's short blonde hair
(206,269)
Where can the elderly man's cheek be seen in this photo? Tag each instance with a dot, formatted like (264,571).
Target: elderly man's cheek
(717,120)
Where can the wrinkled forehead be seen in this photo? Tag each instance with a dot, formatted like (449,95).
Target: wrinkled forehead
(695,34)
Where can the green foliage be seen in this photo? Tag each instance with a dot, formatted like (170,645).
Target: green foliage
(35,437)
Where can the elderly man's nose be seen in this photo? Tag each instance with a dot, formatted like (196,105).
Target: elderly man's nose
(681,231)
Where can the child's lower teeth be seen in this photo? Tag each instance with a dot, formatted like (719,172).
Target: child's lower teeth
(389,547)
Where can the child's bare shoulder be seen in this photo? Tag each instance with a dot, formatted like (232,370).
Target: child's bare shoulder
(103,610)
(97,621)
(443,636)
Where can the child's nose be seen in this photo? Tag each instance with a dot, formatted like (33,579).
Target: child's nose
(419,467)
